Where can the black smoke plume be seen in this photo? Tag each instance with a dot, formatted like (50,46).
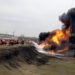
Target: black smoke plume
(68,18)
(43,36)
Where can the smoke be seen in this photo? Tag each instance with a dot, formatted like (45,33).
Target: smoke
(71,13)
(64,18)
(67,18)
(43,36)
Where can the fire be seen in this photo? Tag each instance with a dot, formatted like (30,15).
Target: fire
(56,38)
(67,32)
(59,35)
(65,49)
(58,51)
(52,52)
(45,44)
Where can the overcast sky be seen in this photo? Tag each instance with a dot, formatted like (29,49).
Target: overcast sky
(30,17)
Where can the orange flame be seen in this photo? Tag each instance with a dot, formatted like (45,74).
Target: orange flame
(59,35)
(52,52)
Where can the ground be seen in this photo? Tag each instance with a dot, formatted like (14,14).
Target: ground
(55,66)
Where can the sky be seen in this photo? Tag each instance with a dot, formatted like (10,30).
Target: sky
(30,17)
